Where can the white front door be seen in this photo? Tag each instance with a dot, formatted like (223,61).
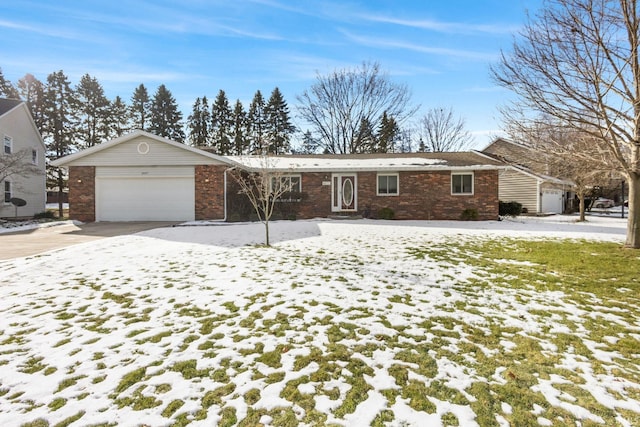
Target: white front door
(344,190)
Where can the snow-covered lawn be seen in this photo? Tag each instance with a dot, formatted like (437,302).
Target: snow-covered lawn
(351,323)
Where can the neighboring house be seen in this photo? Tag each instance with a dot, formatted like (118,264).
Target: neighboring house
(22,146)
(528,181)
(141,176)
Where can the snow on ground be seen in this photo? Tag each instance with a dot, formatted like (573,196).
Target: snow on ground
(337,323)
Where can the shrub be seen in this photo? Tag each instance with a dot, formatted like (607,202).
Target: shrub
(45,215)
(386,213)
(510,208)
(469,214)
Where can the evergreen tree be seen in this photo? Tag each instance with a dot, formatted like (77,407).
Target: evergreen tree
(59,125)
(92,108)
(238,129)
(198,123)
(256,125)
(119,118)
(365,139)
(166,119)
(140,108)
(388,135)
(32,92)
(309,144)
(7,89)
(221,122)
(278,124)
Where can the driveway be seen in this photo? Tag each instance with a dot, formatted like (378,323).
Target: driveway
(35,241)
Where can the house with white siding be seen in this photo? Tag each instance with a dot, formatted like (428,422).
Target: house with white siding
(22,161)
(526,182)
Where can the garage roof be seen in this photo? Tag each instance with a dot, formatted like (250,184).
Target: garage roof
(88,156)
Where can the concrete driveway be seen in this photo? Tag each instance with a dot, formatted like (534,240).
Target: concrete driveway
(35,241)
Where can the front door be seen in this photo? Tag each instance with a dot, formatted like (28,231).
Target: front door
(344,192)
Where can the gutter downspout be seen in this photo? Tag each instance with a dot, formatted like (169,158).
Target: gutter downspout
(225,195)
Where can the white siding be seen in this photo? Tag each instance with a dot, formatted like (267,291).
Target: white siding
(514,186)
(17,124)
(132,153)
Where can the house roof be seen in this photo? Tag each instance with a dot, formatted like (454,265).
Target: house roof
(64,161)
(8,105)
(528,171)
(370,162)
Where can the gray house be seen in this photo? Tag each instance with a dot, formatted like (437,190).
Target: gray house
(22,161)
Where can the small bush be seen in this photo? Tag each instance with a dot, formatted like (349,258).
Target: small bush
(469,214)
(510,209)
(386,213)
(45,215)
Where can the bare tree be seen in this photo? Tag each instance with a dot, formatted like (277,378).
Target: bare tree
(553,153)
(578,61)
(337,105)
(440,130)
(263,187)
(17,165)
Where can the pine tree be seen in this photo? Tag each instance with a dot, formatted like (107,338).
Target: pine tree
(166,119)
(59,125)
(278,124)
(120,117)
(198,123)
(140,108)
(221,122)
(32,92)
(256,125)
(309,144)
(388,134)
(7,89)
(238,128)
(365,139)
(92,108)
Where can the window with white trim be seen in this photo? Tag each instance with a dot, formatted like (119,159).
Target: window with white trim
(8,144)
(290,183)
(388,184)
(462,183)
(34,156)
(7,191)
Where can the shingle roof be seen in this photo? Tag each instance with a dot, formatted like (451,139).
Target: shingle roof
(8,104)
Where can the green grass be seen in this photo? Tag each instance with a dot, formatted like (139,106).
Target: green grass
(482,324)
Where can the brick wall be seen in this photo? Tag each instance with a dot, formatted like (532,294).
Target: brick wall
(82,193)
(209,189)
(423,195)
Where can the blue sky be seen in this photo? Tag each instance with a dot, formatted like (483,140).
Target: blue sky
(441,49)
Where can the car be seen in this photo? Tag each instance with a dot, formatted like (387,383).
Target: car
(602,202)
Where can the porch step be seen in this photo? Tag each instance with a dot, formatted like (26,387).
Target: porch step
(345,217)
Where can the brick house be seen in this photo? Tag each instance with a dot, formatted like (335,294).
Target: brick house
(143,177)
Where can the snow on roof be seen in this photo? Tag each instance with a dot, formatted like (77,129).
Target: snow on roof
(353,162)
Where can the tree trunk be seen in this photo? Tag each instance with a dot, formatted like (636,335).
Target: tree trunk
(581,199)
(60,194)
(266,231)
(633,223)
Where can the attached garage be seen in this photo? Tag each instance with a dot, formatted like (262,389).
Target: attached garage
(145,194)
(552,201)
(144,177)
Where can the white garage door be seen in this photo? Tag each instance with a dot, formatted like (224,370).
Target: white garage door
(552,201)
(151,194)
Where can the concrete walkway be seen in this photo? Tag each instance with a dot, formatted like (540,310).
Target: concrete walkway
(35,241)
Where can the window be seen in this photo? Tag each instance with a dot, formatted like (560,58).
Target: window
(290,182)
(7,192)
(8,142)
(34,156)
(388,185)
(461,183)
